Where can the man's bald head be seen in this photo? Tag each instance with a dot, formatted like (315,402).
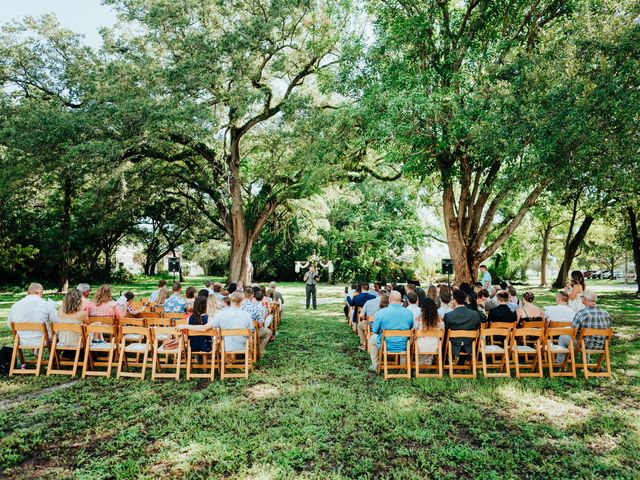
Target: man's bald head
(395,297)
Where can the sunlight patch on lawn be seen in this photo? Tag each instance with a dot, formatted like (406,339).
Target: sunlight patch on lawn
(532,406)
(404,402)
(262,391)
(175,461)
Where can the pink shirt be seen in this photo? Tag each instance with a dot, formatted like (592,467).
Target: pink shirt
(109,309)
(86,304)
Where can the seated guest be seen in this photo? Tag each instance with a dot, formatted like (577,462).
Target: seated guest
(591,316)
(528,312)
(466,288)
(428,320)
(472,303)
(432,293)
(513,299)
(154,295)
(394,317)
(217,290)
(162,296)
(491,301)
(232,287)
(32,309)
(477,286)
(85,290)
(360,299)
(255,310)
(502,313)
(175,303)
(190,297)
(445,303)
(412,298)
(200,317)
(104,305)
(128,306)
(369,311)
(483,296)
(208,284)
(213,305)
(377,289)
(461,318)
(276,295)
(71,312)
(561,312)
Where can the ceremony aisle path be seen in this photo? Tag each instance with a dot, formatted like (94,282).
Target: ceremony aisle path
(311,410)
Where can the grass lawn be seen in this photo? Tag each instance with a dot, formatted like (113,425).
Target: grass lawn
(311,410)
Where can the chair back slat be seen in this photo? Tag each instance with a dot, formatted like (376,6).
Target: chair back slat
(103,320)
(473,334)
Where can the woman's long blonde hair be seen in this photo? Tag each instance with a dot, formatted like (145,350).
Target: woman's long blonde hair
(72,301)
(103,295)
(212,305)
(163,294)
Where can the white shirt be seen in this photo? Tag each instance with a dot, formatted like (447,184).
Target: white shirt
(32,308)
(154,296)
(559,313)
(414,309)
(444,309)
(231,318)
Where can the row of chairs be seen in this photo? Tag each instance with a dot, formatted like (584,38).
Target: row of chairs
(528,349)
(131,345)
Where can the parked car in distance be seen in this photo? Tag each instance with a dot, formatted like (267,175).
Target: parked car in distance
(606,274)
(597,274)
(588,273)
(618,275)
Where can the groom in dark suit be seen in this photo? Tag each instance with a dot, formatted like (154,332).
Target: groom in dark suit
(461,318)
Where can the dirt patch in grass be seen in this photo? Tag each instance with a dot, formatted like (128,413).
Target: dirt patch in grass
(4,404)
(262,391)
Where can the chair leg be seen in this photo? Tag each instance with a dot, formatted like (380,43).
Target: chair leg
(52,355)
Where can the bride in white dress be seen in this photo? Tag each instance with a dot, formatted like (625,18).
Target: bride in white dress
(575,290)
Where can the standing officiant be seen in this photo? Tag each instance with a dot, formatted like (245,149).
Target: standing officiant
(311,279)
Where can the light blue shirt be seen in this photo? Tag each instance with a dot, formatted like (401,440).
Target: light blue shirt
(394,317)
(371,307)
(233,318)
(486,280)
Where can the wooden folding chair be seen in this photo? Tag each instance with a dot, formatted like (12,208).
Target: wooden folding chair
(56,346)
(395,364)
(235,364)
(526,342)
(150,314)
(254,342)
(602,354)
(159,335)
(135,348)
(179,320)
(368,330)
(552,348)
(472,336)
(274,310)
(28,344)
(492,349)
(437,353)
(99,354)
(208,360)
(534,324)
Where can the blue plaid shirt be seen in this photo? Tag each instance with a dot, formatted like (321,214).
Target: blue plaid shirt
(592,317)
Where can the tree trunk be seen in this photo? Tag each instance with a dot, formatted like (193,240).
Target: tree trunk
(463,269)
(240,266)
(635,243)
(63,281)
(570,252)
(107,262)
(545,253)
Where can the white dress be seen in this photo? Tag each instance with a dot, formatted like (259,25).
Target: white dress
(576,304)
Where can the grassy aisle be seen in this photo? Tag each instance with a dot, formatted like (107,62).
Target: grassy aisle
(311,410)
